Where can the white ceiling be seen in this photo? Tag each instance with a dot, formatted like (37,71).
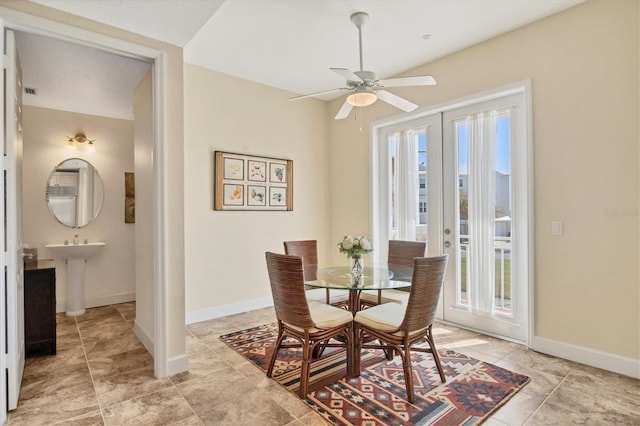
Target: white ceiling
(289,44)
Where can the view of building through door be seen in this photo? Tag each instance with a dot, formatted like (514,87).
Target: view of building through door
(458,179)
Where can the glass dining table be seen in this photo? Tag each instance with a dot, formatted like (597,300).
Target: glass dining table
(373,278)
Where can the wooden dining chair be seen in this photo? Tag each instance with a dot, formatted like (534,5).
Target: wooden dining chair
(312,324)
(398,328)
(400,253)
(308,250)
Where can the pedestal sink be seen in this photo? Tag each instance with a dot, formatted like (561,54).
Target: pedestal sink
(76,256)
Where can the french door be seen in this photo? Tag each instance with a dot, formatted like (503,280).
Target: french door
(459,179)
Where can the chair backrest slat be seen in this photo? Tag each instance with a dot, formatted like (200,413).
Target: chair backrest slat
(308,251)
(403,252)
(287,288)
(426,285)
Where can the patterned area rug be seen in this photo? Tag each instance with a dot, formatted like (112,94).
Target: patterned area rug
(474,389)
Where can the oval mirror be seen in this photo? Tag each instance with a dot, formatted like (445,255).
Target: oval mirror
(74,192)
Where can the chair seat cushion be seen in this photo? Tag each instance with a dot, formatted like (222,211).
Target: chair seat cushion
(386,317)
(325,316)
(317,294)
(388,296)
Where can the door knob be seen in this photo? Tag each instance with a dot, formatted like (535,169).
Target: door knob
(447,244)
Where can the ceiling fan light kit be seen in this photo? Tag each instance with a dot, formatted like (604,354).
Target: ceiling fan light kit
(362,99)
(365,86)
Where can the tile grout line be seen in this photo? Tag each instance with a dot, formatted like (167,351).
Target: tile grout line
(93,383)
(544,401)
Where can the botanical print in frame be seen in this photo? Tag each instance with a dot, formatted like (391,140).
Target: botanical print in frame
(256,195)
(250,182)
(129,184)
(233,169)
(277,196)
(129,210)
(233,195)
(277,172)
(257,171)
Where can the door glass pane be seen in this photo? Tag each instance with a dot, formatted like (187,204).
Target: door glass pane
(462,142)
(503,197)
(502,303)
(409,209)
(420,138)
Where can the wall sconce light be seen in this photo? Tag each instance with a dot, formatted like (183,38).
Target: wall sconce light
(80,138)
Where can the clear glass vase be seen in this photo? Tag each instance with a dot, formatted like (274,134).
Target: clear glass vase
(356,265)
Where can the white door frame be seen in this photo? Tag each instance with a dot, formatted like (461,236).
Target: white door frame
(36,25)
(377,185)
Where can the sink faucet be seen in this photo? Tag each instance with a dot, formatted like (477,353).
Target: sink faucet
(76,240)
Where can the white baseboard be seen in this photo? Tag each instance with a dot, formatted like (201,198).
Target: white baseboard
(178,364)
(113,299)
(224,310)
(146,340)
(175,365)
(604,360)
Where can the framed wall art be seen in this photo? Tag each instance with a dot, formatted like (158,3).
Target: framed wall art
(248,182)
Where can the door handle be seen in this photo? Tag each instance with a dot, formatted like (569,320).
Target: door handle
(447,244)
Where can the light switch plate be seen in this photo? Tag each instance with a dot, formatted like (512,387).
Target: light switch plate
(556,227)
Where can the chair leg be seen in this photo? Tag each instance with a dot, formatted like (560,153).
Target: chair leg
(389,352)
(436,357)
(408,373)
(356,348)
(304,374)
(274,355)
(349,346)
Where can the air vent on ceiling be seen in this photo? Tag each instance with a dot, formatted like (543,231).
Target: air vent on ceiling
(30,91)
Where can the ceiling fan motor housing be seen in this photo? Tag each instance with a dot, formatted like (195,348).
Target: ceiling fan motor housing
(368,77)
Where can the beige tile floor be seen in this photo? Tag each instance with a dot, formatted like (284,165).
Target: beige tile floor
(102,375)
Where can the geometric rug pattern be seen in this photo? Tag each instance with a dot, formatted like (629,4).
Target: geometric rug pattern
(474,389)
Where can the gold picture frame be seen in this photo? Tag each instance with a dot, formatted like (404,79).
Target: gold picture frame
(249,182)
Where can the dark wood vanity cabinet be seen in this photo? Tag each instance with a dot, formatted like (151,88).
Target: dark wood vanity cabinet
(40,308)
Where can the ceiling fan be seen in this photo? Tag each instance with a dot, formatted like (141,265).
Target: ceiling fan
(365,86)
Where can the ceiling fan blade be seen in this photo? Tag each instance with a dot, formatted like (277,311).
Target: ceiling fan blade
(418,80)
(347,74)
(340,89)
(344,111)
(396,101)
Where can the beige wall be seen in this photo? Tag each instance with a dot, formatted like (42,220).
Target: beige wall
(583,64)
(45,133)
(224,250)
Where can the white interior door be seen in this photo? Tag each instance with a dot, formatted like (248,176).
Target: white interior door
(13,247)
(486,216)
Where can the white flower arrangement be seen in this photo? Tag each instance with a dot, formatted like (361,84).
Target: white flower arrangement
(353,246)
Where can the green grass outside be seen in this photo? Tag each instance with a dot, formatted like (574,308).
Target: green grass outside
(507,277)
